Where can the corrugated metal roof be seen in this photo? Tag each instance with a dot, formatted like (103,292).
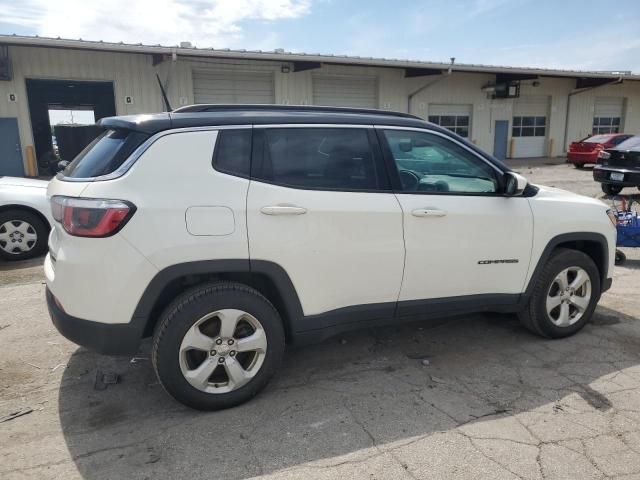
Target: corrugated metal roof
(284,56)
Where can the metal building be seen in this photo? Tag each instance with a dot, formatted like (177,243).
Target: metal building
(510,112)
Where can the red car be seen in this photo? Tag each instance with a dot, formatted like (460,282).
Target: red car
(587,149)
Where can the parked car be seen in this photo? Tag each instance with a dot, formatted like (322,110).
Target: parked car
(25,218)
(619,167)
(226,232)
(586,150)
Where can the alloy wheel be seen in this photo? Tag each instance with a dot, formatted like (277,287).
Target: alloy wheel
(569,296)
(222,351)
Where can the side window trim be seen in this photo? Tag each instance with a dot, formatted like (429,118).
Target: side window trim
(393,169)
(258,145)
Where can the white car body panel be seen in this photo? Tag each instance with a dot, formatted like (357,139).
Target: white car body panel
(164,185)
(27,192)
(347,249)
(443,252)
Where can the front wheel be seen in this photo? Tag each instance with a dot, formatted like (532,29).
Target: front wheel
(611,189)
(564,296)
(217,345)
(579,166)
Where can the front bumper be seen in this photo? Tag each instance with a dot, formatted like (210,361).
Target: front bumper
(602,174)
(108,339)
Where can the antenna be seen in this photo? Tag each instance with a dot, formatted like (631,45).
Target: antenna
(164,95)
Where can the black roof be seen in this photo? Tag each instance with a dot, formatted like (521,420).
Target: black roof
(213,115)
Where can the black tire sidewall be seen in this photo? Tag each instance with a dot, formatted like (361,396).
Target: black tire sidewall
(611,189)
(184,312)
(41,228)
(563,259)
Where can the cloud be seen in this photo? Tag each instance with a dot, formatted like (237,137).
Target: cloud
(206,23)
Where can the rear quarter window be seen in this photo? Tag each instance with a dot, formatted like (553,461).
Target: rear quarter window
(233,152)
(105,154)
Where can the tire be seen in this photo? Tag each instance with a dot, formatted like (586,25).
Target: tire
(23,235)
(535,316)
(579,166)
(611,189)
(620,257)
(172,355)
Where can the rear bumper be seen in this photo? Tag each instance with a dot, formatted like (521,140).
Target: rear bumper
(603,175)
(108,339)
(582,157)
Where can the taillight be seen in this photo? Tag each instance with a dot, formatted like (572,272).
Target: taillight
(91,217)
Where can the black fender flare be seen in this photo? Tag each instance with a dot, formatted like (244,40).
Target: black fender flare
(591,237)
(290,303)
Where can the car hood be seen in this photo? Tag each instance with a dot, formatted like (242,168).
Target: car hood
(23,182)
(552,193)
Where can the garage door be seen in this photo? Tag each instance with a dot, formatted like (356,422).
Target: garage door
(456,118)
(211,86)
(358,92)
(607,114)
(529,127)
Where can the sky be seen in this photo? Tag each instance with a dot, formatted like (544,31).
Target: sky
(580,35)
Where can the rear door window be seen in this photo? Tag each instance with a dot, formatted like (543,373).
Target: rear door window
(320,159)
(105,154)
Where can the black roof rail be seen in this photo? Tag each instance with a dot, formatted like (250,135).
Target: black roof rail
(217,107)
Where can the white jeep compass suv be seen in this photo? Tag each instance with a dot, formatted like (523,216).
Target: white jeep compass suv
(227,232)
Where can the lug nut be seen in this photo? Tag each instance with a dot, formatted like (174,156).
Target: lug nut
(219,341)
(230,342)
(212,353)
(232,353)
(221,360)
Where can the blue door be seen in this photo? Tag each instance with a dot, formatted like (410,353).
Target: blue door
(500,139)
(10,152)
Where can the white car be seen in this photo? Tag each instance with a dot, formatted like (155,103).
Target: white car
(226,232)
(25,218)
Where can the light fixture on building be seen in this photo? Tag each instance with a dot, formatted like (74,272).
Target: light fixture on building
(285,69)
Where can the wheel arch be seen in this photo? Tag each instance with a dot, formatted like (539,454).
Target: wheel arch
(268,278)
(26,208)
(590,243)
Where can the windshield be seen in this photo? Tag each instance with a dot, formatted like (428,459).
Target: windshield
(105,154)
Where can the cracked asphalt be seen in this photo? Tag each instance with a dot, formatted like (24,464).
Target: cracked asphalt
(493,401)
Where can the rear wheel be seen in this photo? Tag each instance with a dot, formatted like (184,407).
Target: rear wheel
(579,166)
(564,296)
(217,345)
(22,235)
(611,189)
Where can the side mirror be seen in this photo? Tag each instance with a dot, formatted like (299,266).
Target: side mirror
(514,184)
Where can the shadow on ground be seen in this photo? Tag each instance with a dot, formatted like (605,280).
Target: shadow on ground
(368,392)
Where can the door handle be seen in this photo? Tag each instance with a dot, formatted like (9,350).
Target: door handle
(428,212)
(283,210)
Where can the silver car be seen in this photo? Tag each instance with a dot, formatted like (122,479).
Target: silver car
(25,218)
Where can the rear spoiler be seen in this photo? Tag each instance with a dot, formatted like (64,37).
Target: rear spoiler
(148,124)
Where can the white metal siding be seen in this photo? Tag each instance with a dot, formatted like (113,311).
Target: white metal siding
(609,107)
(531,106)
(439,109)
(210,86)
(359,92)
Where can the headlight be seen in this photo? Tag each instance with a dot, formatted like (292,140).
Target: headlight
(604,155)
(613,217)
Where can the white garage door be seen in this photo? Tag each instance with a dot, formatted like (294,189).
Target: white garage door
(456,118)
(358,92)
(607,114)
(529,128)
(215,86)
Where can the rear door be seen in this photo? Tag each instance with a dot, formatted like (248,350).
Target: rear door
(320,206)
(462,236)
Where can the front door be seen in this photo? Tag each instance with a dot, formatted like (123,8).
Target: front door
(320,206)
(10,152)
(500,138)
(462,236)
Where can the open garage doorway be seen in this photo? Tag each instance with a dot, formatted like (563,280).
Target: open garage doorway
(66,103)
